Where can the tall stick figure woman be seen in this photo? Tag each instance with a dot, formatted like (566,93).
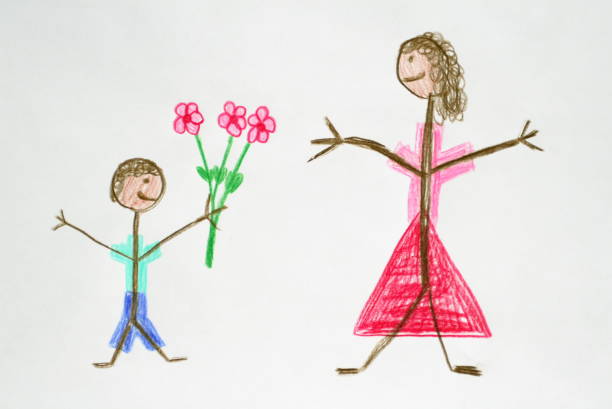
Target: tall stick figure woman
(421,292)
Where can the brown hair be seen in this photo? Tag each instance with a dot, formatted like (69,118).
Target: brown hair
(446,73)
(132,167)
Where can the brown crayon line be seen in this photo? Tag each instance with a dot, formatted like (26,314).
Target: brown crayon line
(424,243)
(89,236)
(135,262)
(181,230)
(494,148)
(370,144)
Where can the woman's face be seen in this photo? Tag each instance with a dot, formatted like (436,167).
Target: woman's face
(413,71)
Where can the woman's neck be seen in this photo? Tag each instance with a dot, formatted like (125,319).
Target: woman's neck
(426,149)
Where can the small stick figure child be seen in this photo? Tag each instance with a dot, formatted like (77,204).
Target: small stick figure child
(138,184)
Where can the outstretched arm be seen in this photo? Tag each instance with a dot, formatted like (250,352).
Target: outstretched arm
(494,148)
(337,140)
(64,222)
(188,226)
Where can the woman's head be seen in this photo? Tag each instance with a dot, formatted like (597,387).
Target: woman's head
(427,65)
(138,184)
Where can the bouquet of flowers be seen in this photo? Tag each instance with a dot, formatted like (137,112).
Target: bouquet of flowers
(221,181)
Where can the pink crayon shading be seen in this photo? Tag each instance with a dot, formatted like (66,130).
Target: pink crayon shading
(262,125)
(188,118)
(232,118)
(439,178)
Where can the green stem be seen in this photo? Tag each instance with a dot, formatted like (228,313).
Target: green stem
(235,170)
(228,148)
(212,232)
(210,246)
(242,155)
(199,142)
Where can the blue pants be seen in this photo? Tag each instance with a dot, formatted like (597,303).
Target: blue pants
(142,319)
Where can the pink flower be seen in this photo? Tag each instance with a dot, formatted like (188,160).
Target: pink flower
(233,118)
(262,125)
(188,117)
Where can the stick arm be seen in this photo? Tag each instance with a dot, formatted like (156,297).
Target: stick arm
(372,145)
(182,230)
(493,148)
(63,222)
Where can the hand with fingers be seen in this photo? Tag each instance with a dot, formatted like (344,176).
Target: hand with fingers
(333,143)
(62,220)
(523,138)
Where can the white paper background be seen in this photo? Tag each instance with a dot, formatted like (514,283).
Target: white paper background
(86,85)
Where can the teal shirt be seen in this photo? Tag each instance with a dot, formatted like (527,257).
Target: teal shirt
(127,248)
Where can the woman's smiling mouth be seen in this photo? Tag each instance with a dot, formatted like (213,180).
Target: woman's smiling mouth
(416,77)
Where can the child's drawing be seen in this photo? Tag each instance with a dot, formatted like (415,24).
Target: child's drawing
(138,185)
(233,120)
(421,292)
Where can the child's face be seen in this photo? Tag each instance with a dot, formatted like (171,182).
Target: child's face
(413,71)
(140,193)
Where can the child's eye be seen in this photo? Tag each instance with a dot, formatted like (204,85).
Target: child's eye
(146,180)
(411,58)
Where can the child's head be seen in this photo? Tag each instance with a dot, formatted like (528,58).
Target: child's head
(138,184)
(427,65)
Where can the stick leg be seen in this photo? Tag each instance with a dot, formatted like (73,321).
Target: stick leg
(383,343)
(110,363)
(157,347)
(462,369)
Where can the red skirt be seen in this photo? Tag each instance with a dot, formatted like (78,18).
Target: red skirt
(457,311)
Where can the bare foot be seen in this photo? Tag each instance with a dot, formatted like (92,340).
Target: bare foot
(348,371)
(177,359)
(102,364)
(467,370)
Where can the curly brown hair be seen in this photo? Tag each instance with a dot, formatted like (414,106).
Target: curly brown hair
(446,73)
(132,167)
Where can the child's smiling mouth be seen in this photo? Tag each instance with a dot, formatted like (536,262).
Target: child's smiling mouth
(145,197)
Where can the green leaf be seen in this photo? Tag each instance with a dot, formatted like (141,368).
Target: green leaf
(219,174)
(203,173)
(233,181)
(214,174)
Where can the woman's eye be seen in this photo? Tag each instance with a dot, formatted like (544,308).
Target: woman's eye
(146,180)
(411,58)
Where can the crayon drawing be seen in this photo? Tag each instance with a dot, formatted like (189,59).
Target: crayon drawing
(421,292)
(232,119)
(138,185)
(293,292)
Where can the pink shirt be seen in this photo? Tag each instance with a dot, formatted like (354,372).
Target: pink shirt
(438,157)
